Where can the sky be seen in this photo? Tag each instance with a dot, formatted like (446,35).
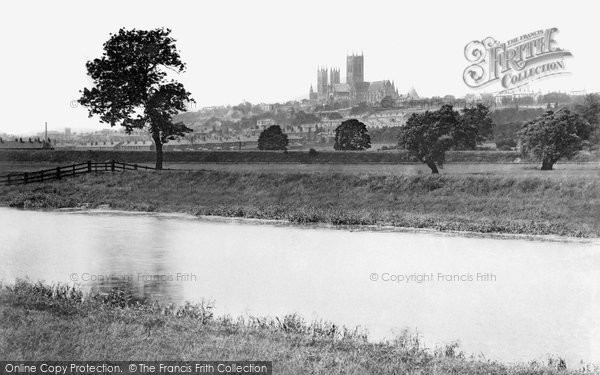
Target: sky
(269,51)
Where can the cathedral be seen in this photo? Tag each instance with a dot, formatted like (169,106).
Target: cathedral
(355,90)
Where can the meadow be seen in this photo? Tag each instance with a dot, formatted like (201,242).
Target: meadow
(39,321)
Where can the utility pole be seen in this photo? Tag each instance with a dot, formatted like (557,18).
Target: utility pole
(46,132)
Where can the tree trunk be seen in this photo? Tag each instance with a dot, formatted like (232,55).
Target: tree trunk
(547,164)
(432,165)
(159,152)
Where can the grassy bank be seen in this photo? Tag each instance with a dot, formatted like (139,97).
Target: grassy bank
(567,206)
(38,322)
(63,156)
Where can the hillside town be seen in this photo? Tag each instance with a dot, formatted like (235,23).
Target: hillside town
(309,123)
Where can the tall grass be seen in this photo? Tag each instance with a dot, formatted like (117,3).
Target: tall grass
(58,322)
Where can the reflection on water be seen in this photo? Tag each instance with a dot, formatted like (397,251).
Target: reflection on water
(543,297)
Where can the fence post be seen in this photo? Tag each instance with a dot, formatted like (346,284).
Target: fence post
(112,166)
(89,166)
(135,166)
(73,169)
(25,177)
(42,176)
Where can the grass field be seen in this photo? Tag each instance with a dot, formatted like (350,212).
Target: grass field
(591,169)
(533,203)
(38,322)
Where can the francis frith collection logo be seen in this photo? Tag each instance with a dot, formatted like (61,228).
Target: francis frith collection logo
(514,63)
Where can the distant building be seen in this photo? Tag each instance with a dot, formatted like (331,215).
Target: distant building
(266,107)
(312,95)
(136,146)
(265,123)
(24,144)
(99,146)
(412,94)
(355,90)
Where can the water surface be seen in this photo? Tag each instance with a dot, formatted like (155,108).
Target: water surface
(533,297)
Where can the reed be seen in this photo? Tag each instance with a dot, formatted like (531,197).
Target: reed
(59,322)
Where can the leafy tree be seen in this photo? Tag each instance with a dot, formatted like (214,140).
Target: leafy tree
(590,111)
(272,138)
(507,135)
(351,135)
(555,135)
(475,126)
(131,88)
(427,136)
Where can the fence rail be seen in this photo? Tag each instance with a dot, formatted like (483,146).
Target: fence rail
(67,171)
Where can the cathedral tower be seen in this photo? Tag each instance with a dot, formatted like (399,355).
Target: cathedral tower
(322,82)
(355,69)
(334,76)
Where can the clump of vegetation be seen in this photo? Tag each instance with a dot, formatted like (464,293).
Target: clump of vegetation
(273,138)
(112,326)
(430,135)
(352,135)
(555,135)
(40,200)
(131,87)
(427,136)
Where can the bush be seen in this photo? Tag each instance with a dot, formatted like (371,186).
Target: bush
(506,144)
(312,152)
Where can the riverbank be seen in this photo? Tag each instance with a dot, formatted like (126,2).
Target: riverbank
(58,323)
(568,206)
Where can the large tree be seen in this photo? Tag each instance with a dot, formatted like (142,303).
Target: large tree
(131,87)
(478,118)
(351,135)
(272,138)
(427,136)
(590,111)
(555,135)
(474,126)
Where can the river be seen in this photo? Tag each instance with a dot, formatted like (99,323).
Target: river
(508,299)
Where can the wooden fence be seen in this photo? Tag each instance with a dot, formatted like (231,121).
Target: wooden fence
(67,171)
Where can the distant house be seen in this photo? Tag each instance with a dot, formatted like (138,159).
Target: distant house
(265,123)
(136,146)
(24,144)
(98,146)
